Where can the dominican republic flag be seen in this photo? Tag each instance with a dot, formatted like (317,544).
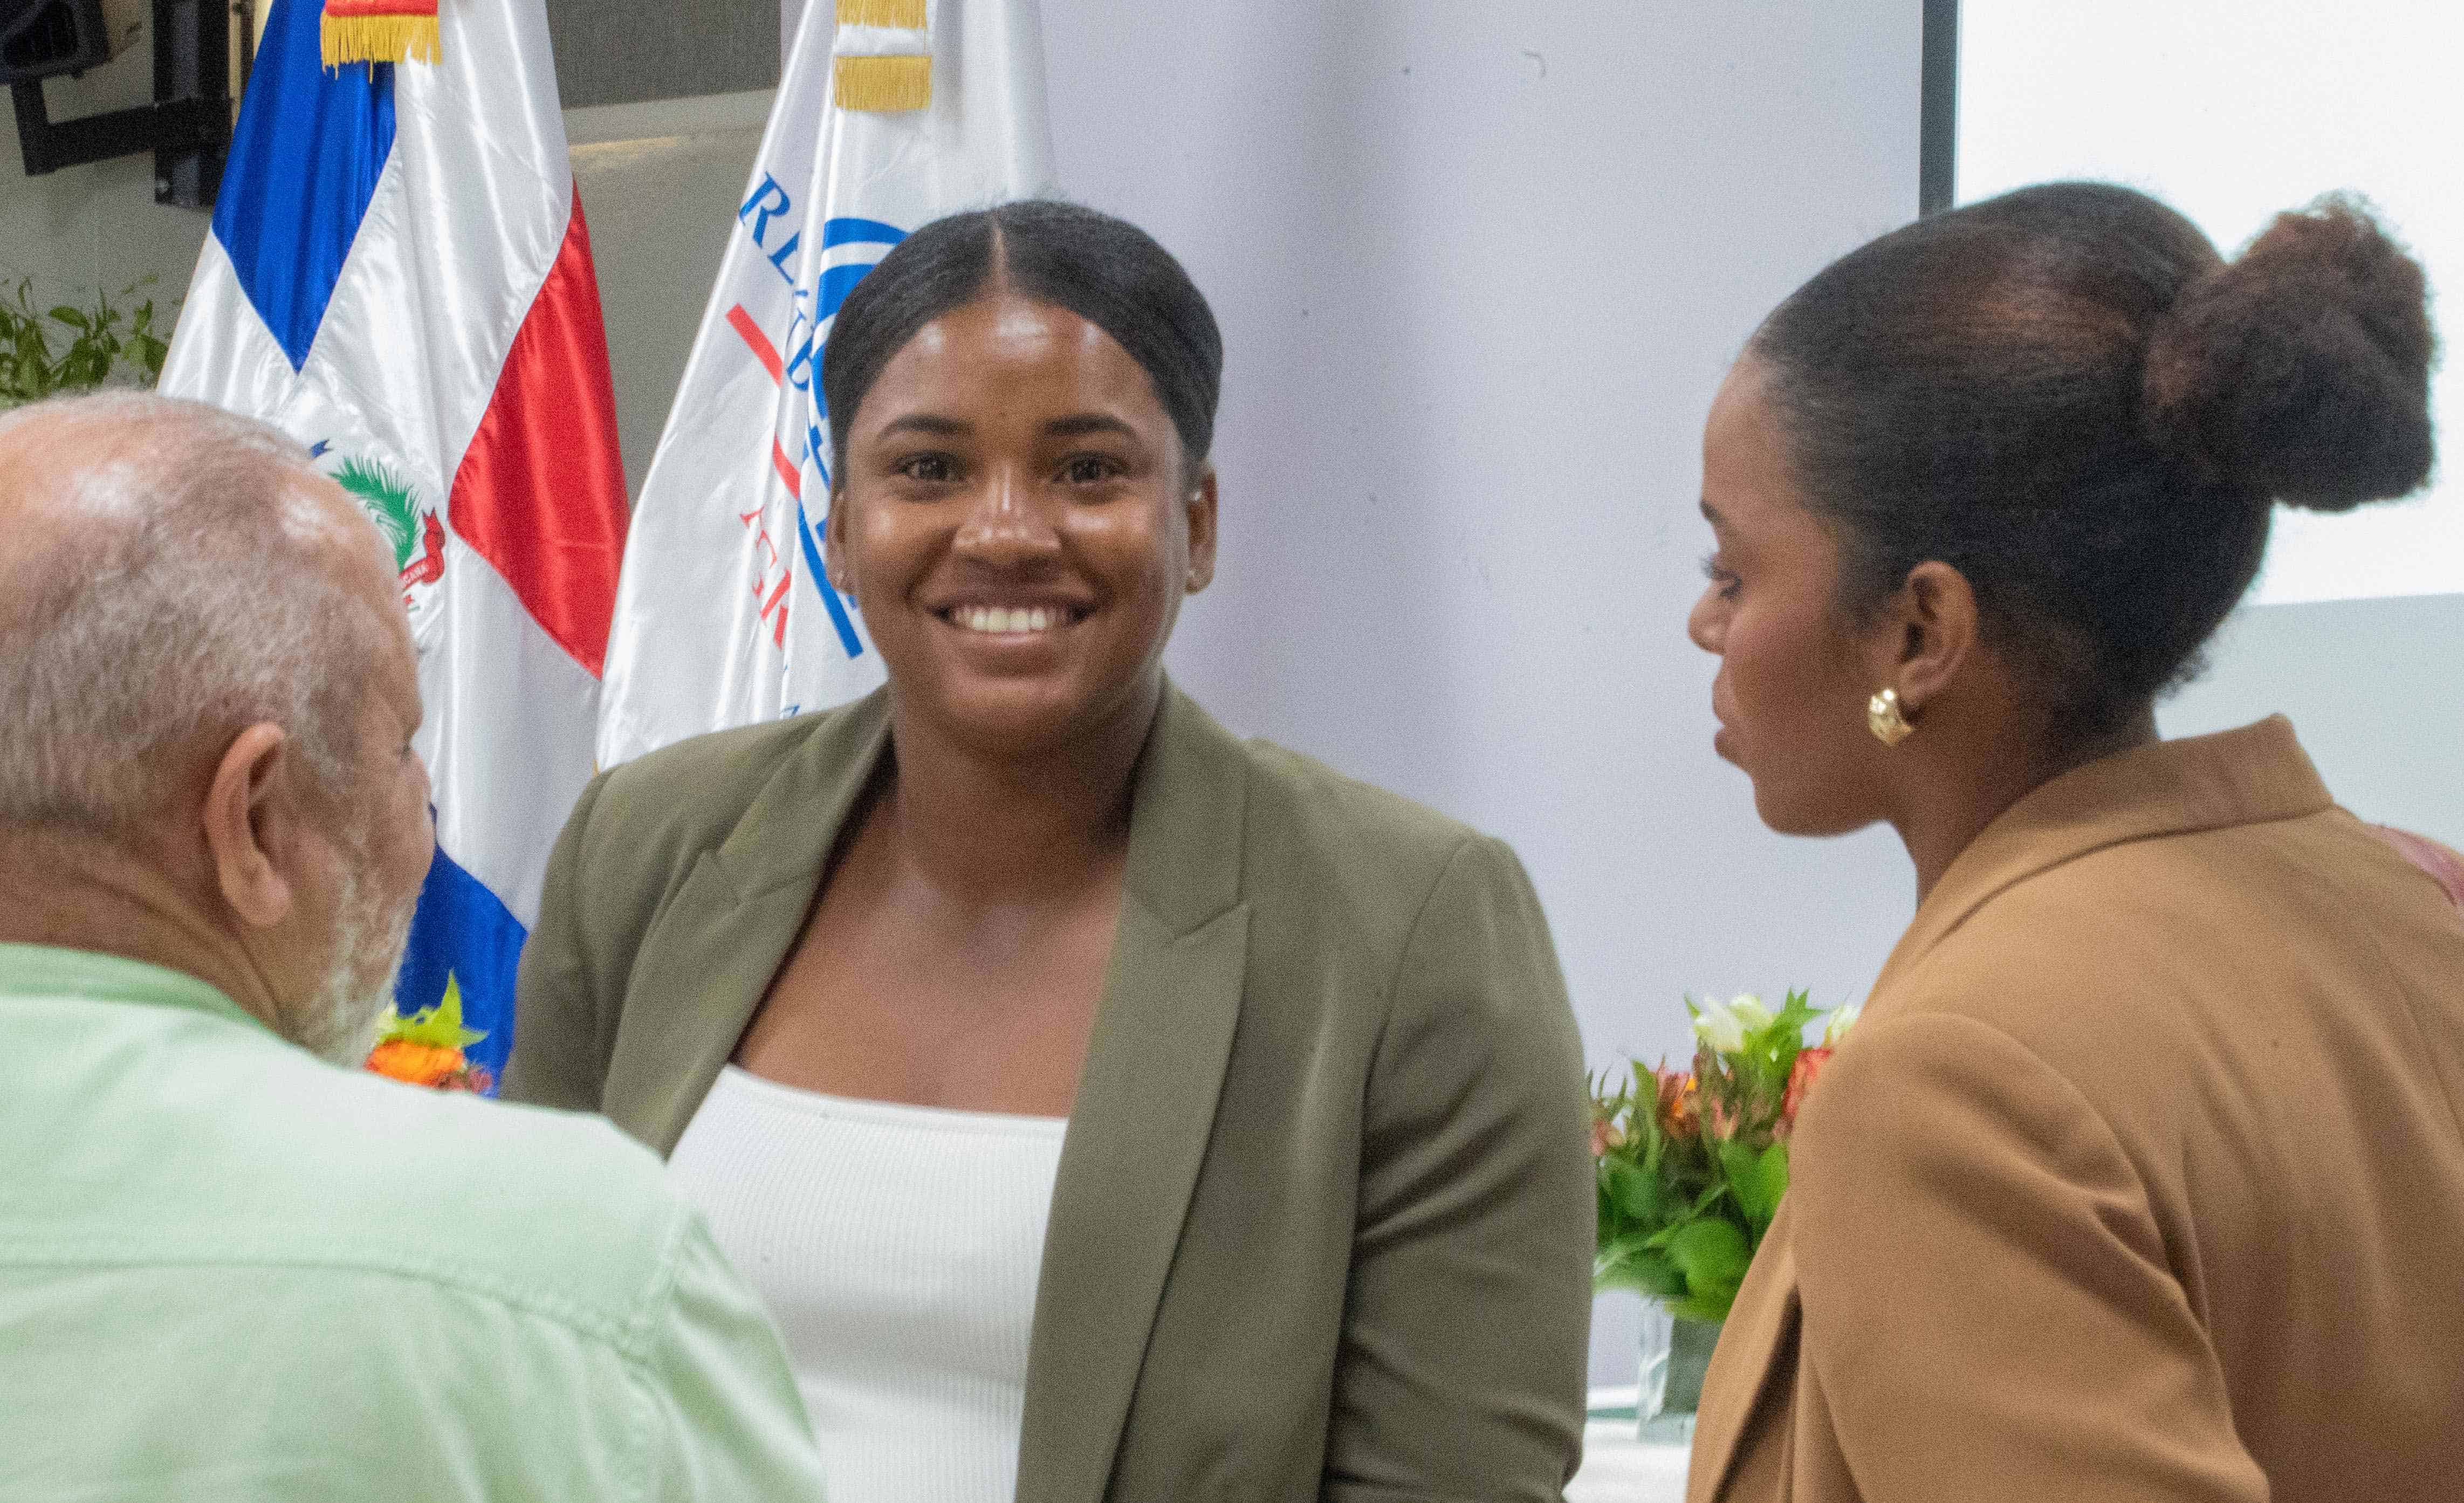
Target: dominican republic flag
(892,113)
(400,277)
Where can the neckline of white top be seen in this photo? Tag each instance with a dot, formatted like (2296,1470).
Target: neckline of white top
(897,1113)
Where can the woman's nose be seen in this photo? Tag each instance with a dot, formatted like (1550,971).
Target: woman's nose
(1707,624)
(1006,523)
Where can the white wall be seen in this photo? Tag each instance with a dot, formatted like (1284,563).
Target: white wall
(1479,268)
(96,227)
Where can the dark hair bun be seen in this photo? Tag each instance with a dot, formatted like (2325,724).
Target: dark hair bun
(2300,371)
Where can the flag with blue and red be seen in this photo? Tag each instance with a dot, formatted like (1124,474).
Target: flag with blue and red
(399,275)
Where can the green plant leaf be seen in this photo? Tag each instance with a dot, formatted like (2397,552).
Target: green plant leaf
(72,318)
(1771,1174)
(1639,1269)
(1758,1180)
(1635,1193)
(1713,1255)
(1711,1310)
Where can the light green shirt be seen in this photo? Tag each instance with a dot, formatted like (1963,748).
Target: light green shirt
(229,1271)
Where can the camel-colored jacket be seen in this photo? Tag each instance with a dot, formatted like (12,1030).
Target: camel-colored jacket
(2141,1180)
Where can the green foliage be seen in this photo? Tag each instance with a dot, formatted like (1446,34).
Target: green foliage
(439,1025)
(1692,1165)
(45,352)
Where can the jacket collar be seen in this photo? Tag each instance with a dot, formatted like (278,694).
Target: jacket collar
(47,971)
(708,958)
(2251,776)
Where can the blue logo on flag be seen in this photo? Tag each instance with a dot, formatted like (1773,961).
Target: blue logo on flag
(836,282)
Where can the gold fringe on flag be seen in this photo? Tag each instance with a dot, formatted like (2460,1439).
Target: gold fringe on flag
(881,83)
(906,14)
(380,30)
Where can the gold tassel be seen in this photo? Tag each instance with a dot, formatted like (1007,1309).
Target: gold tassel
(882,85)
(906,14)
(379,39)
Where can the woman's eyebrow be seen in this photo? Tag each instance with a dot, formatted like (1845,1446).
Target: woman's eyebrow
(931,423)
(1083,423)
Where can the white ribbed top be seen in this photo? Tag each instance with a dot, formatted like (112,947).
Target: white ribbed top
(897,1247)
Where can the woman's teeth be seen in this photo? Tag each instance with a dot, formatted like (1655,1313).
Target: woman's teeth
(1010,620)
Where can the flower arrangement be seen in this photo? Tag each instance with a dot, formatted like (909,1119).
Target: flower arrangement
(427,1048)
(1692,1163)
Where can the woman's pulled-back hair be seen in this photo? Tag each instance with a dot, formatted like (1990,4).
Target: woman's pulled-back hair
(1105,270)
(2068,396)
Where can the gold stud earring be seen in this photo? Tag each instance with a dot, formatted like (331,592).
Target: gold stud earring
(1885,718)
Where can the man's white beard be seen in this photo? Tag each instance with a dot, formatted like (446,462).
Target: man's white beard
(340,1022)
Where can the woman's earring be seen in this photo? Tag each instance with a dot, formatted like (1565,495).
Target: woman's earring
(1884,718)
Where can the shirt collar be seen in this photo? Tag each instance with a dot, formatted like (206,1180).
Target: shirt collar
(42,970)
(2246,777)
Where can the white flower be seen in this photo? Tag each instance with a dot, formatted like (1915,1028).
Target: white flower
(1719,1027)
(1842,1019)
(1750,1013)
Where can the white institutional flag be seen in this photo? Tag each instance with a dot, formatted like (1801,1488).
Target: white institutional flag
(723,613)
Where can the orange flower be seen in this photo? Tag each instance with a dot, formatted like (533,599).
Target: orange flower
(1681,1110)
(430,1065)
(1800,1080)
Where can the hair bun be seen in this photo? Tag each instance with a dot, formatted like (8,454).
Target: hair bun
(2301,370)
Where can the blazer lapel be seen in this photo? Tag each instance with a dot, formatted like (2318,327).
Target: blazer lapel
(709,955)
(1145,1107)
(1747,1363)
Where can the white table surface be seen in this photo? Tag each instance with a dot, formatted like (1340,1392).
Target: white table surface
(1617,1467)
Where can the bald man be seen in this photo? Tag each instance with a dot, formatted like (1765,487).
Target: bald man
(232,1265)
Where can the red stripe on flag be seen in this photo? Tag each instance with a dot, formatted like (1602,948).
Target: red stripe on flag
(540,492)
(786,468)
(762,350)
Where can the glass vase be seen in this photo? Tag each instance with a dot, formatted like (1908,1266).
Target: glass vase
(1676,1353)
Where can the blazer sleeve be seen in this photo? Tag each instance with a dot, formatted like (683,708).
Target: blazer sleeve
(1463,1359)
(1989,1309)
(560,1038)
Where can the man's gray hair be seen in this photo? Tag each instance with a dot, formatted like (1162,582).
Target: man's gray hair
(187,599)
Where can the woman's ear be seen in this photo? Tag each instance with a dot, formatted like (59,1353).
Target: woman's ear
(833,540)
(253,825)
(1933,619)
(1202,530)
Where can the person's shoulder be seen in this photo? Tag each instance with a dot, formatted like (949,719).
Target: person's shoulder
(1350,820)
(721,771)
(556,1214)
(688,796)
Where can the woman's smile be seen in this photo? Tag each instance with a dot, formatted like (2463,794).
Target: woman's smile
(1018,525)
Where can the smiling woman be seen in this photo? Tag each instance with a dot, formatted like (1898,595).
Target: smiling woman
(1104,1105)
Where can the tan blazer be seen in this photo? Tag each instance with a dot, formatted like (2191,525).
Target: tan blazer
(2141,1177)
(1323,1221)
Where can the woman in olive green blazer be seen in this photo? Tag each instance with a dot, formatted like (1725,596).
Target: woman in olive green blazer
(1323,1220)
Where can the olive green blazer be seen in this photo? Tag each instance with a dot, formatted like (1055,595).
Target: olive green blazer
(1324,1220)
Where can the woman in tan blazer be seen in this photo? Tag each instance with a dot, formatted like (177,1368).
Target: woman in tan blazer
(1321,1226)
(2140,1177)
